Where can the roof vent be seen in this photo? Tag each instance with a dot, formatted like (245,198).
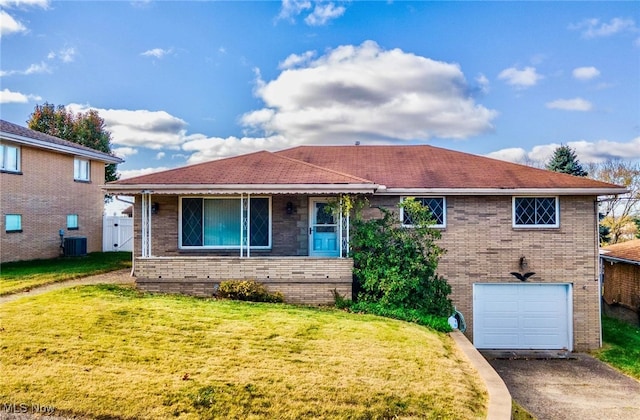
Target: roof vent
(357,143)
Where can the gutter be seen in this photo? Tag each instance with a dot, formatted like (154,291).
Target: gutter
(239,188)
(621,260)
(501,191)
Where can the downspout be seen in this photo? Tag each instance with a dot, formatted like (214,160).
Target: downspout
(598,264)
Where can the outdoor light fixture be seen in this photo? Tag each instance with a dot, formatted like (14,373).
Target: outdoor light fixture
(155,207)
(290,208)
(522,276)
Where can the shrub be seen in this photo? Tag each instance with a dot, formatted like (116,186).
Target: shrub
(248,290)
(395,266)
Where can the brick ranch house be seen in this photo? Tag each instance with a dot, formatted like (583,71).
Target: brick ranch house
(48,184)
(621,280)
(261,216)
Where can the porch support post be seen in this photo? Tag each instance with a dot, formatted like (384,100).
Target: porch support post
(344,232)
(248,221)
(241,225)
(340,234)
(146,224)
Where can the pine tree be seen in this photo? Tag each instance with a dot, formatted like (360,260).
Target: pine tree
(564,160)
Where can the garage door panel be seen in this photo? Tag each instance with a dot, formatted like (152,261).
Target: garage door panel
(522,316)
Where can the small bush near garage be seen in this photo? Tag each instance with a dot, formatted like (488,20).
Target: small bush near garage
(395,266)
(248,290)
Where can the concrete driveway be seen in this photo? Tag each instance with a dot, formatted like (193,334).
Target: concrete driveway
(577,386)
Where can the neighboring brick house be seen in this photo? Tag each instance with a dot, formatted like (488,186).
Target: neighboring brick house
(261,216)
(621,280)
(48,184)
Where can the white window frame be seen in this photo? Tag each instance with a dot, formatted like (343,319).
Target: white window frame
(81,169)
(225,247)
(444,210)
(513,213)
(4,157)
(72,222)
(6,223)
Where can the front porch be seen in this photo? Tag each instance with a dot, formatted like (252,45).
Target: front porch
(302,280)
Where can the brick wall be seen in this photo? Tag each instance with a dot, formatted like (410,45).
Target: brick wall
(44,194)
(301,280)
(482,247)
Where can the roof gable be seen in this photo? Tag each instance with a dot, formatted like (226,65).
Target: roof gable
(257,168)
(23,135)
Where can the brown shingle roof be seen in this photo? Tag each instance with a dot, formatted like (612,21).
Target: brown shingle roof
(254,168)
(629,250)
(402,167)
(425,166)
(23,133)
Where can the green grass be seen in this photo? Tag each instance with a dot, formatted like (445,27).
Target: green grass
(621,346)
(24,275)
(112,352)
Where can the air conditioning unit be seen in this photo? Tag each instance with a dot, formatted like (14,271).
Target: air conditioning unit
(75,247)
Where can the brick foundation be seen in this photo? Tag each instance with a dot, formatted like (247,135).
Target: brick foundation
(301,280)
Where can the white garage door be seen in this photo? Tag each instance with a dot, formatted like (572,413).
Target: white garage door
(522,316)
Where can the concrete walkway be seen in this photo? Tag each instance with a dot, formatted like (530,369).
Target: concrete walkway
(115,277)
(577,386)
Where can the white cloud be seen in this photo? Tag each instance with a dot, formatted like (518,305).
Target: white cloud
(210,148)
(160,155)
(66,55)
(157,52)
(483,83)
(141,128)
(292,8)
(521,79)
(8,97)
(295,60)
(9,25)
(576,104)
(323,13)
(320,12)
(585,73)
(124,152)
(594,28)
(130,173)
(39,68)
(44,4)
(363,91)
(586,151)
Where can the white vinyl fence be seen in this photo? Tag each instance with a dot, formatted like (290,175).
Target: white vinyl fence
(117,233)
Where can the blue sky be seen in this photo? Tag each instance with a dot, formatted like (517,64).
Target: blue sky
(183,82)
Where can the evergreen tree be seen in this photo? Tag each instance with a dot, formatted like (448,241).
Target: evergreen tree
(564,160)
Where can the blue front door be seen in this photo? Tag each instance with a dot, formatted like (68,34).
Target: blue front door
(323,230)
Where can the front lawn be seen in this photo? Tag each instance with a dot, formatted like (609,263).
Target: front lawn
(23,275)
(112,352)
(621,346)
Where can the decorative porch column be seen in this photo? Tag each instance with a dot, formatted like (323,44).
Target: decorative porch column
(146,224)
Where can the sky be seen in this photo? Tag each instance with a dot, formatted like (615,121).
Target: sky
(183,82)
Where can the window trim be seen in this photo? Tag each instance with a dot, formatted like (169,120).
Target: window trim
(444,210)
(556,225)
(224,247)
(19,229)
(77,223)
(3,160)
(76,174)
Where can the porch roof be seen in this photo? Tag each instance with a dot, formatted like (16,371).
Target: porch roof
(260,172)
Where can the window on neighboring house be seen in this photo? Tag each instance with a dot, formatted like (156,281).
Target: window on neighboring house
(72,221)
(437,206)
(13,223)
(535,212)
(217,222)
(9,158)
(81,170)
